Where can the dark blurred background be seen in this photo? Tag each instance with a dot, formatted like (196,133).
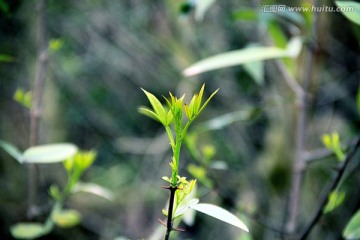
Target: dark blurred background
(108,50)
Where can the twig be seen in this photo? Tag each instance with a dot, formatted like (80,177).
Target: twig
(300,139)
(332,186)
(289,79)
(35,113)
(317,154)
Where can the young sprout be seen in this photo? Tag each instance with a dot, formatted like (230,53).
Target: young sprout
(172,118)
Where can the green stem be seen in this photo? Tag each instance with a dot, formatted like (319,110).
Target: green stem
(176,158)
(171,137)
(175,170)
(73,179)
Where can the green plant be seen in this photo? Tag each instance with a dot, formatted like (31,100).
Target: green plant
(75,163)
(171,117)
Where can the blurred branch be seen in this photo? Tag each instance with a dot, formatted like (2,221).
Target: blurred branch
(35,113)
(290,80)
(332,186)
(300,135)
(317,154)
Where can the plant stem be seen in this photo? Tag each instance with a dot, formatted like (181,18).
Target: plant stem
(332,186)
(169,223)
(35,113)
(300,137)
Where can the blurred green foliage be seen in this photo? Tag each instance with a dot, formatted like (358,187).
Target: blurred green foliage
(104,51)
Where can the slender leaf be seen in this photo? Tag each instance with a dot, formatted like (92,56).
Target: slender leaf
(207,101)
(350,9)
(221,214)
(277,34)
(157,106)
(352,229)
(336,198)
(149,113)
(49,153)
(11,150)
(238,57)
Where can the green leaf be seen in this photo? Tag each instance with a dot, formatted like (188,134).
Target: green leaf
(332,142)
(201,7)
(28,230)
(167,179)
(22,97)
(277,34)
(221,214)
(55,44)
(352,229)
(207,101)
(326,139)
(55,192)
(238,57)
(66,218)
(336,198)
(157,106)
(149,113)
(50,153)
(11,150)
(84,159)
(350,9)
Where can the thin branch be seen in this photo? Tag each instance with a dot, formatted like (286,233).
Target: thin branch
(317,154)
(289,79)
(300,137)
(35,113)
(331,187)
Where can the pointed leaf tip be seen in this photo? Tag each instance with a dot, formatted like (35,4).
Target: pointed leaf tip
(157,106)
